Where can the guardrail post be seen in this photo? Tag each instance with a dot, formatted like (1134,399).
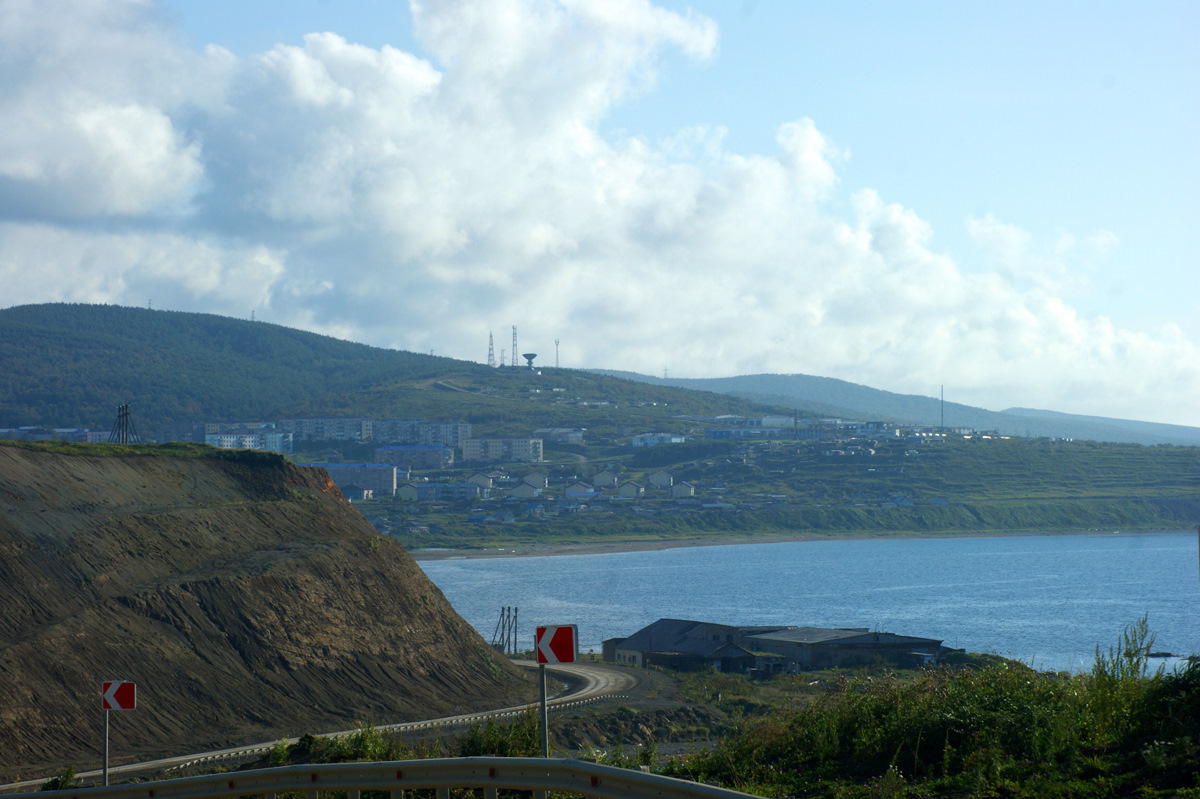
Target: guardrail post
(397,793)
(490,793)
(443,793)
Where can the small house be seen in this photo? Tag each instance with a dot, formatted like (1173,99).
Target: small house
(605,479)
(661,479)
(682,490)
(630,490)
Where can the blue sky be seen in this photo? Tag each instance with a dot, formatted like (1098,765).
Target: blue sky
(999,198)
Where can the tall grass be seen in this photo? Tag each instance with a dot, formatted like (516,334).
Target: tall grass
(1003,729)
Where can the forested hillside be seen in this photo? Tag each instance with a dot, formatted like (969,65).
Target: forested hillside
(71,365)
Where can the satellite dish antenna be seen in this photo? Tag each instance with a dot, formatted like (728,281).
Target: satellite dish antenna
(529,356)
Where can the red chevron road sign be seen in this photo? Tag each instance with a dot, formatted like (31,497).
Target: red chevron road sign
(119,696)
(557,644)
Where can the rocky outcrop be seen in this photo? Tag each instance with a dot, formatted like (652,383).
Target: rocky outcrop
(245,597)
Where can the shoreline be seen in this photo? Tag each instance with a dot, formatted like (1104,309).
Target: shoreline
(543,550)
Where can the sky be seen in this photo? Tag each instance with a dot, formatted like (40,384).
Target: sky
(997,198)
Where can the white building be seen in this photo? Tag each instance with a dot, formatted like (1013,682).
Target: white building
(503,450)
(266,440)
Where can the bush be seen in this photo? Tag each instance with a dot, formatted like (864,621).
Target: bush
(522,738)
(62,781)
(999,729)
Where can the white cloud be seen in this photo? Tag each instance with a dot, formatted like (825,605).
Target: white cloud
(47,263)
(379,196)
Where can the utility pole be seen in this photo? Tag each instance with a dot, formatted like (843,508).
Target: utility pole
(555,353)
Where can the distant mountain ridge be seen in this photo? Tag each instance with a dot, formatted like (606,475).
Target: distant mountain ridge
(832,397)
(71,365)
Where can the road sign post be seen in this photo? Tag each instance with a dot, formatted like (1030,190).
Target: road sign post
(554,644)
(115,695)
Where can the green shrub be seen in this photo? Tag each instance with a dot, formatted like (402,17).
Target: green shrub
(522,738)
(1000,729)
(62,781)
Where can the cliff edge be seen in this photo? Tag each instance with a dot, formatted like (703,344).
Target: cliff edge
(242,594)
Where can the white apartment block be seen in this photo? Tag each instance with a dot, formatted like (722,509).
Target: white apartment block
(267,440)
(328,429)
(503,450)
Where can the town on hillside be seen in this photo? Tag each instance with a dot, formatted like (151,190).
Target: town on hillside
(397,470)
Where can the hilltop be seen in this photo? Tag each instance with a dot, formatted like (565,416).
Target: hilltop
(72,365)
(241,593)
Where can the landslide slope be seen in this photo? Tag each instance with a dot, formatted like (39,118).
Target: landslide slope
(242,593)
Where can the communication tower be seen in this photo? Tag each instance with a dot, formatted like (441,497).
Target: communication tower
(491,351)
(555,353)
(514,349)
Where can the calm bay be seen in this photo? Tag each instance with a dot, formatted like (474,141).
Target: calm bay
(1046,600)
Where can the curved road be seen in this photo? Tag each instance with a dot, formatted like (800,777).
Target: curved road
(585,682)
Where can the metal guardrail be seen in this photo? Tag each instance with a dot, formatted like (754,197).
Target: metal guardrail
(491,774)
(258,750)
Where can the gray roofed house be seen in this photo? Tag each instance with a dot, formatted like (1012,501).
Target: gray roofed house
(682,644)
(685,644)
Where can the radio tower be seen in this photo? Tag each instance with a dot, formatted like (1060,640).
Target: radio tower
(491,352)
(514,349)
(123,431)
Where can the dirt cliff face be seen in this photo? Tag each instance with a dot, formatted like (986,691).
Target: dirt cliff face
(245,597)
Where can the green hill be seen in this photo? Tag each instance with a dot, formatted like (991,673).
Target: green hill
(829,396)
(72,365)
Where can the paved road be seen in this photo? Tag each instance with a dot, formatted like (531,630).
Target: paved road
(584,683)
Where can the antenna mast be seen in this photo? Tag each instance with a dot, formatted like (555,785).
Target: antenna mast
(491,351)
(514,349)
(555,353)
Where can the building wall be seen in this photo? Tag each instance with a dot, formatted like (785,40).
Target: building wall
(502,450)
(380,478)
(415,456)
(328,429)
(445,492)
(266,440)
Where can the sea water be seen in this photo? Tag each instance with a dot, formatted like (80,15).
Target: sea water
(1046,600)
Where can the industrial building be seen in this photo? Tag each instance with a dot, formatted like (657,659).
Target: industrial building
(685,645)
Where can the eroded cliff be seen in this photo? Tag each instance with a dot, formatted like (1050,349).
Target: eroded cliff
(245,597)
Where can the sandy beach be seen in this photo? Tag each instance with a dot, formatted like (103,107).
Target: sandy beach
(596,548)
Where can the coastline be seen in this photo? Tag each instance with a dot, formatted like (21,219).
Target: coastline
(542,550)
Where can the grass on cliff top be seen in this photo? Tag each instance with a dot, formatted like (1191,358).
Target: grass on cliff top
(174,449)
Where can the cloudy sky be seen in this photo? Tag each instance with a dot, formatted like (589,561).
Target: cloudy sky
(998,197)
